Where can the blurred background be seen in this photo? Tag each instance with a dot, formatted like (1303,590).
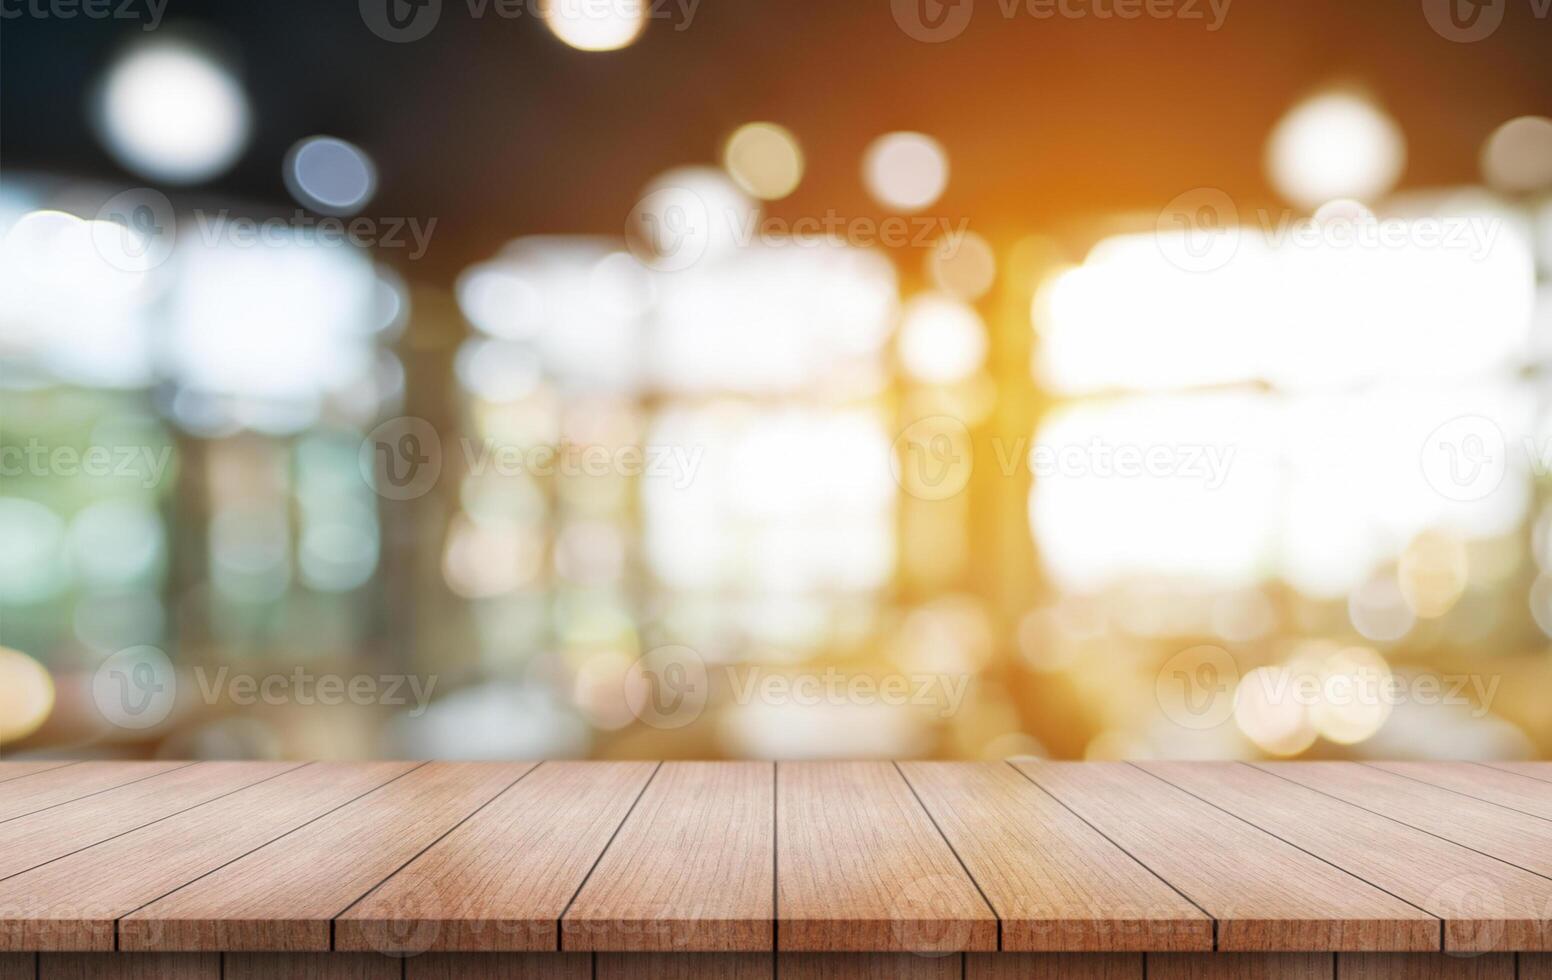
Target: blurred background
(652,378)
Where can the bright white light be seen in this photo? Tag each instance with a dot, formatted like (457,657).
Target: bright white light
(1441,291)
(778,317)
(595,25)
(942,340)
(1335,145)
(170,112)
(330,175)
(688,216)
(905,171)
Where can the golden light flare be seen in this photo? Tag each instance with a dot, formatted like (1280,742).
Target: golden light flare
(26,695)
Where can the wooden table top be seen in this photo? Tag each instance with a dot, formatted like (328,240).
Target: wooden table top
(794,857)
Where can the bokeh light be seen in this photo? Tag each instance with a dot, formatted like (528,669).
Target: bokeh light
(942,339)
(1335,144)
(330,175)
(26,695)
(1518,155)
(169,111)
(765,159)
(963,264)
(595,25)
(905,171)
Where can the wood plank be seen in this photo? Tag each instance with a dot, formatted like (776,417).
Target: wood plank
(502,880)
(1535,966)
(1505,834)
(310,966)
(1424,966)
(71,904)
(1485,783)
(1053,966)
(1054,881)
(860,867)
(1267,895)
(142,966)
(284,895)
(868,966)
(64,784)
(16,770)
(18,966)
(38,838)
(692,870)
(1535,770)
(1242,966)
(686,966)
(499,966)
(1486,904)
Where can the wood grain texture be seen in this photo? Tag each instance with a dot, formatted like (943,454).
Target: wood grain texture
(1486,904)
(499,966)
(686,966)
(52,787)
(1424,966)
(1535,770)
(1535,966)
(692,870)
(37,838)
(1510,789)
(1053,966)
(1267,895)
(1054,881)
(18,966)
(71,904)
(142,966)
(501,880)
(860,867)
(1505,834)
(310,966)
(1241,966)
(868,966)
(16,770)
(284,895)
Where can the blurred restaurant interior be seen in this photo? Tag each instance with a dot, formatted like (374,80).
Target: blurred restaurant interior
(634,379)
